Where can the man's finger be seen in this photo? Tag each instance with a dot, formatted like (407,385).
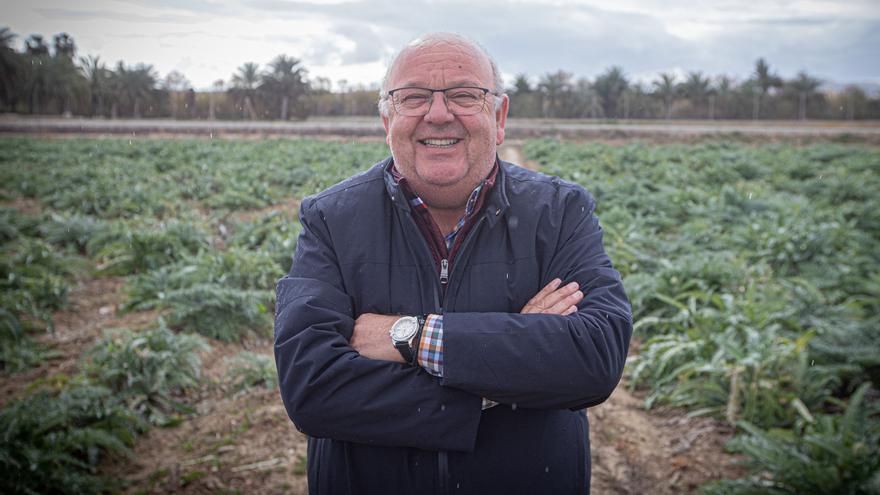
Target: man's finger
(547,289)
(559,294)
(565,304)
(554,301)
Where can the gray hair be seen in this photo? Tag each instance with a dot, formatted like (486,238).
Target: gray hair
(431,39)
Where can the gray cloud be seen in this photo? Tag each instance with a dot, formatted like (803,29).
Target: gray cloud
(71,14)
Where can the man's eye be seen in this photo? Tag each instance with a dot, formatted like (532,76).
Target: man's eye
(414,99)
(464,97)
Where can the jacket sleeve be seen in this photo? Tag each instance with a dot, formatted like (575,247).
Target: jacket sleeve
(329,389)
(549,361)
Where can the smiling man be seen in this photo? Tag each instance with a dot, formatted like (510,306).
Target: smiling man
(448,317)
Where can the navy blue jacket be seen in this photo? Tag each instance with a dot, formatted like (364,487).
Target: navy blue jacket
(382,427)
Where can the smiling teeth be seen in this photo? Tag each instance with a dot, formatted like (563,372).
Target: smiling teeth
(440,142)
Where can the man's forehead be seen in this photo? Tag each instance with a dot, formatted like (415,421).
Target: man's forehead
(457,59)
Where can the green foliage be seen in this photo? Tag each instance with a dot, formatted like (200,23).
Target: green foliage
(248,369)
(17,350)
(71,231)
(52,442)
(220,312)
(749,268)
(14,224)
(752,272)
(274,233)
(127,248)
(122,178)
(823,454)
(147,369)
(222,295)
(33,278)
(233,268)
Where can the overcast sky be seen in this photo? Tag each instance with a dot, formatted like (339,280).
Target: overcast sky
(207,40)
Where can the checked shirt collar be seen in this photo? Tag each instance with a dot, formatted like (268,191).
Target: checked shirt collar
(445,247)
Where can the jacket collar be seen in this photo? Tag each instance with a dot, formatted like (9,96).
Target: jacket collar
(495,205)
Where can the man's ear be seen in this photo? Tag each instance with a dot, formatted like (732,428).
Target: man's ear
(501,119)
(386,123)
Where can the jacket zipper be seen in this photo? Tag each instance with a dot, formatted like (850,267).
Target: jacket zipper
(439,304)
(443,456)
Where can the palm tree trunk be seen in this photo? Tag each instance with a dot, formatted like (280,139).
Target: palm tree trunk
(211,110)
(137,108)
(285,101)
(249,108)
(756,107)
(711,107)
(803,105)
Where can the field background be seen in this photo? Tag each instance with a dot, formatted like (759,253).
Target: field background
(751,259)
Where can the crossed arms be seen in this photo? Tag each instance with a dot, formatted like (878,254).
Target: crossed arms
(340,377)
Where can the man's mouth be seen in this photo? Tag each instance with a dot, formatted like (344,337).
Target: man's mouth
(439,143)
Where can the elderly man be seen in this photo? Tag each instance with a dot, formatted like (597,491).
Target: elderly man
(448,316)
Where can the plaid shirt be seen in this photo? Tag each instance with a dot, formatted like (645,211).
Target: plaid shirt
(443,248)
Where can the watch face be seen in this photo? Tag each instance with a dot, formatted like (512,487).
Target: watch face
(404,328)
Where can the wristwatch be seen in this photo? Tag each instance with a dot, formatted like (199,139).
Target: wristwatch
(405,334)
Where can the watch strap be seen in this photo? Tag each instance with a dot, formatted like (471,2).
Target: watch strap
(417,340)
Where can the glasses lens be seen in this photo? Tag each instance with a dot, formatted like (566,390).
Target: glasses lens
(415,102)
(465,101)
(412,101)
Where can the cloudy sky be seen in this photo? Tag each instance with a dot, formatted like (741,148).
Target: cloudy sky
(351,40)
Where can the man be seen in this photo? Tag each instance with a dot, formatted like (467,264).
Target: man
(448,316)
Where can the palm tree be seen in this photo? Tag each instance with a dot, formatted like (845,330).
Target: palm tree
(98,78)
(806,87)
(696,88)
(555,91)
(610,87)
(217,87)
(38,77)
(765,81)
(10,69)
(244,88)
(724,91)
(132,86)
(524,98)
(175,85)
(67,79)
(285,80)
(666,89)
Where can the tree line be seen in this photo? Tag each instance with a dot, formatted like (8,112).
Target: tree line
(51,78)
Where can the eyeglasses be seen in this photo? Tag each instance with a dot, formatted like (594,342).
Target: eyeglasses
(460,100)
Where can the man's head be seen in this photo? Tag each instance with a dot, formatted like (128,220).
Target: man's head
(445,152)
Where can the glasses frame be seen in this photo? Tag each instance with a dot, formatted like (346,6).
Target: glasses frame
(480,107)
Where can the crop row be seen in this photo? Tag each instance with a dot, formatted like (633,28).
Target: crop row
(753,274)
(167,216)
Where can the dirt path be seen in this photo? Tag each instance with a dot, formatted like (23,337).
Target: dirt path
(511,151)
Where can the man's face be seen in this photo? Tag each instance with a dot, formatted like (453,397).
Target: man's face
(444,156)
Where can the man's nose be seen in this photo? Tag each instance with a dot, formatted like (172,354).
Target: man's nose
(438,112)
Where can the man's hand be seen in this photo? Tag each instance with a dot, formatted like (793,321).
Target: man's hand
(555,300)
(370,337)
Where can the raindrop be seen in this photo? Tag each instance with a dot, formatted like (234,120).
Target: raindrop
(458,485)
(420,410)
(546,469)
(442,407)
(750,195)
(513,406)
(812,362)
